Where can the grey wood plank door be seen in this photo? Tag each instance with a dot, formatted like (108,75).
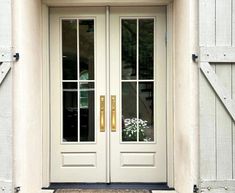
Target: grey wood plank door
(217,92)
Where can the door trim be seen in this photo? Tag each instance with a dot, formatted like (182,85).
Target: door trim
(46,85)
(104,3)
(107,17)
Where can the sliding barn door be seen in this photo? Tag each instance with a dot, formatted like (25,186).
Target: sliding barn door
(217,95)
(6,132)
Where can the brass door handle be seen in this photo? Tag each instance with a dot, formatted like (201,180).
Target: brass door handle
(102,113)
(113,113)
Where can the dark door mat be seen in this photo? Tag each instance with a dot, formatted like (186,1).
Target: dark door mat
(129,186)
(101,191)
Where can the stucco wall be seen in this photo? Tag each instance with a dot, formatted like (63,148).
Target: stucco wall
(27,95)
(186,95)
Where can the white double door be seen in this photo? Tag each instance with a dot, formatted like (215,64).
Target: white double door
(108,94)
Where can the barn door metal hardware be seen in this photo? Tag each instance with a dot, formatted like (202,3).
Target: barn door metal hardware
(194,57)
(17,189)
(6,58)
(16,56)
(195,189)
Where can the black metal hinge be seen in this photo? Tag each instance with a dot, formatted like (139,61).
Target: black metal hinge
(17,189)
(16,56)
(194,57)
(195,189)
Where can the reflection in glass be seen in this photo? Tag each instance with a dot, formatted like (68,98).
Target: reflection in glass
(70,109)
(70,85)
(86,49)
(146,129)
(146,50)
(129,43)
(141,124)
(87,112)
(129,109)
(69,49)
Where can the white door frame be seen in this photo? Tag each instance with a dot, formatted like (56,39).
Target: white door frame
(46,78)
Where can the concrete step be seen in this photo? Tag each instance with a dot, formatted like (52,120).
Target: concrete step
(47,191)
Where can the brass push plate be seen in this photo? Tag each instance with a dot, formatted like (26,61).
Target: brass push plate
(102,113)
(113,113)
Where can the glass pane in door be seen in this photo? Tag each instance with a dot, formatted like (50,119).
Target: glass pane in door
(87,112)
(86,49)
(146,53)
(137,79)
(69,49)
(129,40)
(70,112)
(69,72)
(146,111)
(129,107)
(86,80)
(78,90)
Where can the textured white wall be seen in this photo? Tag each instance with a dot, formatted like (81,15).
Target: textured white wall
(186,95)
(27,95)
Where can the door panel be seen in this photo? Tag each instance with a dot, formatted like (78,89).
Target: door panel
(78,149)
(138,79)
(81,140)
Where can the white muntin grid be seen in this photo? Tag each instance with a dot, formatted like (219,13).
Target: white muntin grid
(78,81)
(137,81)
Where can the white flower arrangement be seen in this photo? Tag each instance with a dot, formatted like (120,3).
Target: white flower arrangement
(129,132)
